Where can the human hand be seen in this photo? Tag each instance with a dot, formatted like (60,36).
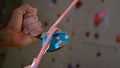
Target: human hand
(16,31)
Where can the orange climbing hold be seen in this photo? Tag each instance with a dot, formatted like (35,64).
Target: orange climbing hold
(118,38)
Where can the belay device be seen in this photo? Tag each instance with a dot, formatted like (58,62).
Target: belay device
(57,41)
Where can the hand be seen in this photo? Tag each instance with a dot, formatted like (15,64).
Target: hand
(15,33)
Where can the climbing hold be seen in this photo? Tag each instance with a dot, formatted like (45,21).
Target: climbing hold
(97,35)
(78,4)
(87,34)
(99,16)
(118,38)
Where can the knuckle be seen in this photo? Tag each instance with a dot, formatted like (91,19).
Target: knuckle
(16,10)
(35,9)
(26,5)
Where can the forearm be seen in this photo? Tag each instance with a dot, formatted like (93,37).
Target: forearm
(5,38)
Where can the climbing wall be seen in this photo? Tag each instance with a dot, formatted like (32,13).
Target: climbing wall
(95,35)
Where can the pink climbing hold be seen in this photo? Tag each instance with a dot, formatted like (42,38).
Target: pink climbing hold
(99,16)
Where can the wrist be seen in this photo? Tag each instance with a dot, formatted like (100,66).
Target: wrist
(6,38)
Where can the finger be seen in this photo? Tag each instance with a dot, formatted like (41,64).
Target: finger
(29,20)
(28,28)
(36,32)
(31,10)
(27,15)
(27,9)
(15,22)
(34,25)
(26,31)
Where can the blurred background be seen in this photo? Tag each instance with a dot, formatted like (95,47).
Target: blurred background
(92,44)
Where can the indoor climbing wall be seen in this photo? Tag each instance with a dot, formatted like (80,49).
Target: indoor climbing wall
(95,35)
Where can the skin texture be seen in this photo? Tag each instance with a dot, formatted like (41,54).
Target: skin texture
(22,28)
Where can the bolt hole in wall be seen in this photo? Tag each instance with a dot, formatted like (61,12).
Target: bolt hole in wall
(95,35)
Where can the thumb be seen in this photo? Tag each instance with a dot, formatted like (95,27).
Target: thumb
(26,39)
